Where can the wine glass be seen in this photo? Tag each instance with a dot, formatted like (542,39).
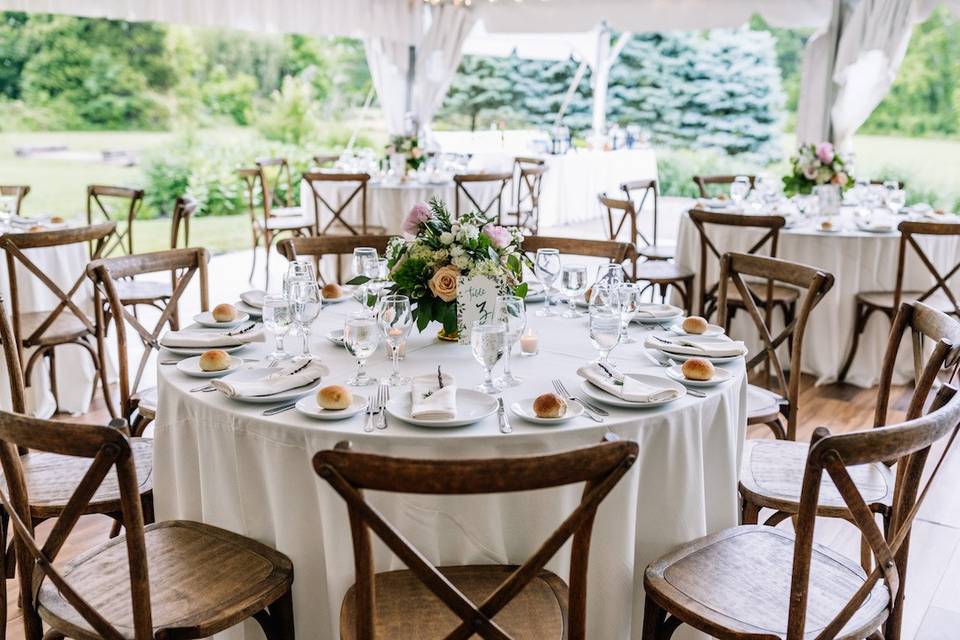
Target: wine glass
(546,267)
(362,255)
(305,301)
(894,197)
(395,319)
(299,270)
(739,189)
(610,274)
(573,282)
(277,319)
(376,271)
(488,342)
(512,312)
(361,337)
(629,303)
(605,320)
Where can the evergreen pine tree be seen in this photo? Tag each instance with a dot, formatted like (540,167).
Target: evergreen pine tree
(482,85)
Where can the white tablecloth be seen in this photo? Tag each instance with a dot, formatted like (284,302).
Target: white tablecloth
(860,261)
(224,463)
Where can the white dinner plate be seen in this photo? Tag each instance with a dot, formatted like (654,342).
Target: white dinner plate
(243,307)
(336,337)
(608,398)
(196,351)
(668,311)
(524,409)
(719,377)
(205,319)
(472,406)
(343,298)
(535,293)
(191,367)
(247,375)
(872,227)
(308,406)
(683,357)
(713,330)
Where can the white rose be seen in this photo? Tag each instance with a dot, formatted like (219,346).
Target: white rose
(456,250)
(469,232)
(446,238)
(440,255)
(455,229)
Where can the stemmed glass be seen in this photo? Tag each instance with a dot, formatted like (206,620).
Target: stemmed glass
(605,320)
(361,256)
(299,270)
(361,337)
(512,312)
(739,189)
(277,318)
(894,197)
(377,270)
(305,301)
(629,303)
(610,274)
(488,342)
(573,282)
(546,267)
(395,319)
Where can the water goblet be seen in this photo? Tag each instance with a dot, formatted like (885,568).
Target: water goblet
(604,320)
(299,270)
(305,301)
(361,256)
(739,189)
(512,312)
(395,320)
(629,303)
(546,267)
(573,283)
(277,319)
(894,197)
(361,337)
(488,342)
(610,274)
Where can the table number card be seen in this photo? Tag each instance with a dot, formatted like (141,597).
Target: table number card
(476,299)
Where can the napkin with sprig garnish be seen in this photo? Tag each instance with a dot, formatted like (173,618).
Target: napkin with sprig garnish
(433,396)
(254,298)
(210,339)
(703,346)
(297,374)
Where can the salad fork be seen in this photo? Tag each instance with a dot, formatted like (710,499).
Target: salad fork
(383,394)
(586,410)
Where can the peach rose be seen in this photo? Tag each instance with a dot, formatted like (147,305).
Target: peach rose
(443,284)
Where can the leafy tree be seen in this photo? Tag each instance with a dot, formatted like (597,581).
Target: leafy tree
(229,95)
(292,117)
(482,85)
(14,52)
(542,86)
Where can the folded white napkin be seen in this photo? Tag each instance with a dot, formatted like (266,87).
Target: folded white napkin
(654,310)
(253,298)
(625,387)
(298,374)
(429,402)
(701,346)
(197,339)
(715,203)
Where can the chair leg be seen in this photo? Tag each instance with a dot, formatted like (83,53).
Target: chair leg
(859,323)
(52,361)
(777,427)
(277,619)
(749,512)
(653,617)
(267,242)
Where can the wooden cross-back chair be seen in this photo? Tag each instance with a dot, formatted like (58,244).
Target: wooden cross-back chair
(651,248)
(138,406)
(458,602)
(529,177)
(335,246)
(107,203)
(771,471)
(183,210)
(622,253)
(267,226)
(494,204)
(732,584)
(198,580)
(355,186)
(765,406)
(18,191)
(783,297)
(325,159)
(703,182)
(68,322)
(940,295)
(278,188)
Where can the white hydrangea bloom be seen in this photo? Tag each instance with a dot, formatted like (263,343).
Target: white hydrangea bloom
(461,262)
(446,238)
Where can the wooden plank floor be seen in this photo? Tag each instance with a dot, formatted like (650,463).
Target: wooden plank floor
(933,586)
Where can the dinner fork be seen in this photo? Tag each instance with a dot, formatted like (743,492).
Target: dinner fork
(562,388)
(371,411)
(586,411)
(383,394)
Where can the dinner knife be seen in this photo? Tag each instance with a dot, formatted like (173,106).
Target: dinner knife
(502,418)
(272,411)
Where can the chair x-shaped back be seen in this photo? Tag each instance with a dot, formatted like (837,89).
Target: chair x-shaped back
(463,179)
(908,232)
(359,183)
(98,197)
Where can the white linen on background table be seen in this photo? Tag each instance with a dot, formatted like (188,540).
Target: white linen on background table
(860,261)
(226,464)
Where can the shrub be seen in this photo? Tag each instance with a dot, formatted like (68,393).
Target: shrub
(292,115)
(229,95)
(676,168)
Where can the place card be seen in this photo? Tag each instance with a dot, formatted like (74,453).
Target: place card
(476,300)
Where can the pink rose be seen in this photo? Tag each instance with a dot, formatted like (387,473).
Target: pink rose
(419,214)
(416,153)
(390,150)
(825,152)
(499,236)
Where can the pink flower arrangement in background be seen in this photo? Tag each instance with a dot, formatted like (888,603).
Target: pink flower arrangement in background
(815,165)
(825,152)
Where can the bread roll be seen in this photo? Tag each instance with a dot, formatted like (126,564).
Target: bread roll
(57,220)
(334,397)
(550,405)
(586,294)
(37,227)
(695,325)
(697,369)
(224,313)
(214,360)
(332,291)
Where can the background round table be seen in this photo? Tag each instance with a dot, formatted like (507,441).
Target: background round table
(859,260)
(224,463)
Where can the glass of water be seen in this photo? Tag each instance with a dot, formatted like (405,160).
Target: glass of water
(488,342)
(395,320)
(277,319)
(362,256)
(304,307)
(546,267)
(739,189)
(894,197)
(629,303)
(605,320)
(573,283)
(512,312)
(361,335)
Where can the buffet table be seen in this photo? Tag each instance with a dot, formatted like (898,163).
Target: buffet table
(224,463)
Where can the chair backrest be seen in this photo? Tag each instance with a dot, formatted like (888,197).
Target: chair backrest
(19,191)
(709,251)
(11,358)
(183,209)
(649,190)
(703,182)
(461,180)
(251,180)
(529,177)
(620,214)
(104,273)
(814,284)
(349,473)
(323,159)
(355,183)
(908,444)
(617,252)
(107,448)
(909,232)
(15,246)
(108,203)
(319,246)
(278,187)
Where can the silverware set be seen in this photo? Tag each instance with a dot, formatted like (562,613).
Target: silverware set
(376,409)
(592,411)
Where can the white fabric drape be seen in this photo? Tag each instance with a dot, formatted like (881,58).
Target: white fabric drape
(388,61)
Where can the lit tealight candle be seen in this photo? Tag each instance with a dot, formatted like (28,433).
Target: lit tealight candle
(529,343)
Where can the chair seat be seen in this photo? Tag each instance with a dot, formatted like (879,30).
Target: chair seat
(739,580)
(771,475)
(407,610)
(781,294)
(142,291)
(657,252)
(147,402)
(287,212)
(761,403)
(202,579)
(52,478)
(884,300)
(285,223)
(66,328)
(662,271)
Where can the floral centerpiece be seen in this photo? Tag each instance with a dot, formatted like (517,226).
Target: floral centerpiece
(815,165)
(408,147)
(427,264)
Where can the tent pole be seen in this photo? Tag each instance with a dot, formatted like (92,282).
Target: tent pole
(601,76)
(411,78)
(836,32)
(577,79)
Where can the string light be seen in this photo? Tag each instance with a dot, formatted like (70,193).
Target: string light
(467,3)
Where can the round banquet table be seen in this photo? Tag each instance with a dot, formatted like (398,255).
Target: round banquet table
(224,463)
(860,261)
